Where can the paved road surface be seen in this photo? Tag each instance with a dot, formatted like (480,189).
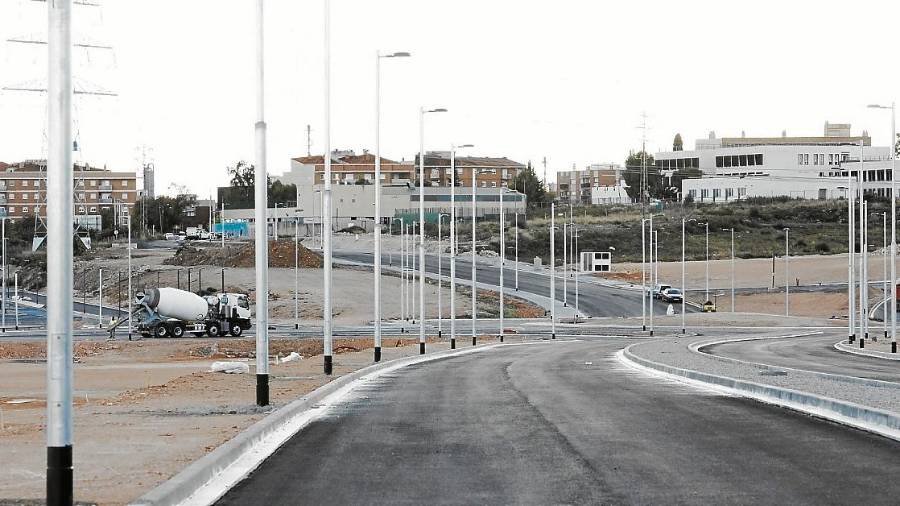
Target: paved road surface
(812,353)
(537,425)
(596,300)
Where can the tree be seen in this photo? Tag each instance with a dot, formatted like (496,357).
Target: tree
(527,182)
(240,194)
(242,174)
(677,144)
(633,166)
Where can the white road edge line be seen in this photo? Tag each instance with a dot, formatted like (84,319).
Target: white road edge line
(826,414)
(843,348)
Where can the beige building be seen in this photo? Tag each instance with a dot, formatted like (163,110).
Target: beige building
(581,186)
(23,189)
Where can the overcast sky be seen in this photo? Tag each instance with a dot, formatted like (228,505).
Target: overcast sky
(566,80)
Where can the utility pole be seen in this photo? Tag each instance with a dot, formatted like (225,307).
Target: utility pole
(60,215)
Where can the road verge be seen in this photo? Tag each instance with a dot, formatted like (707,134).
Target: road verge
(855,415)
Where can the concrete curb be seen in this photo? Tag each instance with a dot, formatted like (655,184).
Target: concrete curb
(189,481)
(846,348)
(884,423)
(698,348)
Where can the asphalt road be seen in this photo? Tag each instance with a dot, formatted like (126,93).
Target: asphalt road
(564,423)
(595,300)
(812,353)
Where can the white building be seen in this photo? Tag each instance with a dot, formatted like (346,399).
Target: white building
(802,167)
(610,194)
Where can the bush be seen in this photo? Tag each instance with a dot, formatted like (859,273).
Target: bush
(823,247)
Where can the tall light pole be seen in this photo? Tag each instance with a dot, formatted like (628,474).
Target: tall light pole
(474,271)
(60,215)
(893,308)
(100,301)
(297,274)
(517,250)
(576,266)
(884,257)
(327,329)
(552,271)
(261,204)
(732,265)
(683,277)
(422,113)
(653,280)
(565,257)
(502,254)
(787,271)
(127,213)
(851,258)
(707,262)
(453,245)
(440,258)
(643,274)
(377,268)
(865,260)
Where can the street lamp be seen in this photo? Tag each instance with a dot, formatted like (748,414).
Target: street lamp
(552,271)
(422,113)
(787,283)
(643,274)
(517,250)
(377,231)
(683,277)
(440,218)
(893,300)
(732,265)
(453,244)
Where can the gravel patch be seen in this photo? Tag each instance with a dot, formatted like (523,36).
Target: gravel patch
(676,353)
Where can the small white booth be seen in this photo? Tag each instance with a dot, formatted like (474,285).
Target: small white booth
(596,261)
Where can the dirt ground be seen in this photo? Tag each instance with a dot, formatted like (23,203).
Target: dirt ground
(146,409)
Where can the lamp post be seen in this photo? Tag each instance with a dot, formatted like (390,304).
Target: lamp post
(422,113)
(60,214)
(474,272)
(377,231)
(296,274)
(893,300)
(851,258)
(517,250)
(643,274)
(453,244)
(327,313)
(683,276)
(440,217)
(707,262)
(576,267)
(502,254)
(127,213)
(732,265)
(260,209)
(884,257)
(787,269)
(565,256)
(552,271)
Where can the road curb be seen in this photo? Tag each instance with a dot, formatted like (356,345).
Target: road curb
(846,348)
(884,423)
(182,487)
(697,348)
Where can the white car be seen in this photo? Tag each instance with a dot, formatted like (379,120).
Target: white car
(170,236)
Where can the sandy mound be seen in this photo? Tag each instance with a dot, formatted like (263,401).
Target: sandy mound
(281,254)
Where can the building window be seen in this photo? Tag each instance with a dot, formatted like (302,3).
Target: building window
(717,193)
(124,196)
(742,192)
(24,209)
(93,182)
(704,193)
(36,196)
(124,183)
(12,209)
(93,209)
(759,159)
(94,196)
(729,193)
(24,196)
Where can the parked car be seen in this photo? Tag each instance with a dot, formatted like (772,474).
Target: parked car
(672,295)
(658,291)
(170,236)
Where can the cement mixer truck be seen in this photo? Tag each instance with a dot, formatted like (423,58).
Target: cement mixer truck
(170,312)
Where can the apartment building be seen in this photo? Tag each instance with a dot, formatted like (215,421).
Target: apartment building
(597,183)
(23,189)
(348,168)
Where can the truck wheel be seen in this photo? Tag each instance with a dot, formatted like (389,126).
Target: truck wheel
(213,330)
(236,329)
(177,330)
(161,331)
